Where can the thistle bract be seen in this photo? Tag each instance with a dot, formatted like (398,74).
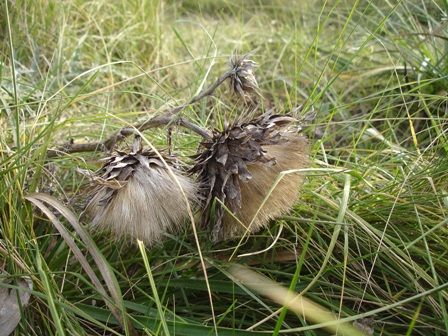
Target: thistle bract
(237,171)
(136,196)
(243,81)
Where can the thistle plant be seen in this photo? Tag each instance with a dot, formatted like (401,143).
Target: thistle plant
(135,196)
(242,80)
(238,168)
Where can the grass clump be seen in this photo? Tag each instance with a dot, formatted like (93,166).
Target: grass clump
(367,241)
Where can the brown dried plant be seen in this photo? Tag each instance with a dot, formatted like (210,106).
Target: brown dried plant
(136,197)
(238,167)
(242,80)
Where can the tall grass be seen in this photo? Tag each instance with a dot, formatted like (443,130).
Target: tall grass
(368,240)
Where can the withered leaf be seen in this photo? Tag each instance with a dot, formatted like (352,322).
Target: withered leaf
(10,306)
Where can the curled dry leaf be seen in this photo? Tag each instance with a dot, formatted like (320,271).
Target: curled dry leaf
(136,197)
(113,299)
(10,306)
(238,168)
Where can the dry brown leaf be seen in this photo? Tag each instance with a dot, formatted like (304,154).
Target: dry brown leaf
(10,306)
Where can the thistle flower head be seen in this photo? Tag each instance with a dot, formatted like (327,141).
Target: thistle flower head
(238,167)
(243,81)
(136,196)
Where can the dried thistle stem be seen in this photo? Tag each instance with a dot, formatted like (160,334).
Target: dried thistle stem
(168,118)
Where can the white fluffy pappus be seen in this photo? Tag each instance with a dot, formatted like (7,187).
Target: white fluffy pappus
(237,169)
(146,206)
(259,204)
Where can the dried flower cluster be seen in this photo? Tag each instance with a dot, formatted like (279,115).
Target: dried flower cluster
(239,166)
(242,80)
(142,195)
(137,197)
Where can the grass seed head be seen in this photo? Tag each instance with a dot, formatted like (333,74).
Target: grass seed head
(239,166)
(136,197)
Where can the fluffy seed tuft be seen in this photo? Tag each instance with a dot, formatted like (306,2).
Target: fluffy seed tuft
(136,197)
(239,166)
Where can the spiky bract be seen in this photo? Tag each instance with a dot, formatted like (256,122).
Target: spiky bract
(239,166)
(136,196)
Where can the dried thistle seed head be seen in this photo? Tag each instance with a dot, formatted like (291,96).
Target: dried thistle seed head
(239,166)
(136,197)
(243,81)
